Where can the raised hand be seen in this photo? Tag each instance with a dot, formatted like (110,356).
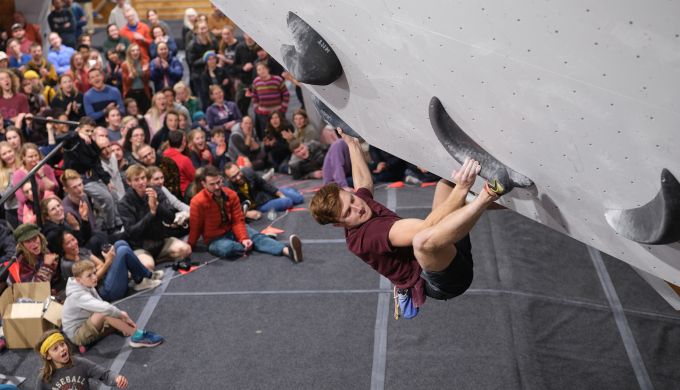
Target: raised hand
(466,175)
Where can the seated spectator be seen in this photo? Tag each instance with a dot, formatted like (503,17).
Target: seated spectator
(173,105)
(270,95)
(78,213)
(177,144)
(59,365)
(100,97)
(134,139)
(136,32)
(10,162)
(262,196)
(243,146)
(190,17)
(81,154)
(148,158)
(59,55)
(8,246)
(17,59)
(19,33)
(29,215)
(112,271)
(180,226)
(114,41)
(170,124)
(31,31)
(110,165)
(384,166)
(123,163)
(144,211)
(337,166)
(166,70)
(155,116)
(202,42)
(160,35)
(304,131)
(216,215)
(183,97)
(276,147)
(218,147)
(4,60)
(152,21)
(221,113)
(199,122)
(31,87)
(136,76)
(30,156)
(12,103)
(308,161)
(114,124)
(39,64)
(79,71)
(117,14)
(418,175)
(62,22)
(68,99)
(114,69)
(132,109)
(226,53)
(34,262)
(85,315)
(213,75)
(199,152)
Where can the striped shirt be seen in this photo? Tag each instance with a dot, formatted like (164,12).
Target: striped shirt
(270,95)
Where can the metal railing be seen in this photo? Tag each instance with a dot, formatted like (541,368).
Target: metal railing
(34,184)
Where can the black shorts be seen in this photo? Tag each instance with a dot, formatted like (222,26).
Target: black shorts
(456,278)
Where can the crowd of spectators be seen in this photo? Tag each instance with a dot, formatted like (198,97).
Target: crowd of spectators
(152,163)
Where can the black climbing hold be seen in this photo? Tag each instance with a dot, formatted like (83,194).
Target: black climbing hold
(311,60)
(460,146)
(657,222)
(331,118)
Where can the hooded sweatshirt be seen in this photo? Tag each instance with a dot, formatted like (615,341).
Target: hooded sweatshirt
(80,303)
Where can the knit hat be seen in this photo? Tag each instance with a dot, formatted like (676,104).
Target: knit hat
(25,232)
(30,75)
(198,115)
(208,54)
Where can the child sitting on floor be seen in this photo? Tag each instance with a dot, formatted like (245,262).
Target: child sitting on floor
(86,317)
(60,369)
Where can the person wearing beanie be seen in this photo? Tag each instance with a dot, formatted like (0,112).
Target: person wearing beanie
(34,262)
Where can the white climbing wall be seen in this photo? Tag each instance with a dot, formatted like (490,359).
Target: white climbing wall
(583,97)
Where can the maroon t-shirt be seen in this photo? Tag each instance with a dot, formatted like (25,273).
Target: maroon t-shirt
(13,106)
(370,241)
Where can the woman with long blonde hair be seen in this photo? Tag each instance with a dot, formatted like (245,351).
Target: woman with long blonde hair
(155,116)
(136,76)
(9,163)
(30,156)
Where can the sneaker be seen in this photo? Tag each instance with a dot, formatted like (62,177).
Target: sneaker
(246,206)
(268,175)
(295,248)
(412,180)
(157,275)
(146,284)
(145,339)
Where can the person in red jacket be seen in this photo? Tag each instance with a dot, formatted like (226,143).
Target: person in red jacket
(215,213)
(187,172)
(137,32)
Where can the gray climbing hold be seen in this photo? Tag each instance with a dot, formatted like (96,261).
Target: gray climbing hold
(331,118)
(460,146)
(311,60)
(657,222)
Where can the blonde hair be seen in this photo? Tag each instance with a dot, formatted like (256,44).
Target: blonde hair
(132,69)
(82,266)
(179,86)
(48,369)
(69,174)
(5,170)
(14,78)
(134,171)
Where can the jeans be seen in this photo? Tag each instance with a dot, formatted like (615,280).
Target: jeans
(227,246)
(292,197)
(115,284)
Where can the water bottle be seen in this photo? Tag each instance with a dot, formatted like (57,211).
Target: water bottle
(271,214)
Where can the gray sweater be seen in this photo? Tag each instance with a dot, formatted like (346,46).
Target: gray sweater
(77,376)
(80,303)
